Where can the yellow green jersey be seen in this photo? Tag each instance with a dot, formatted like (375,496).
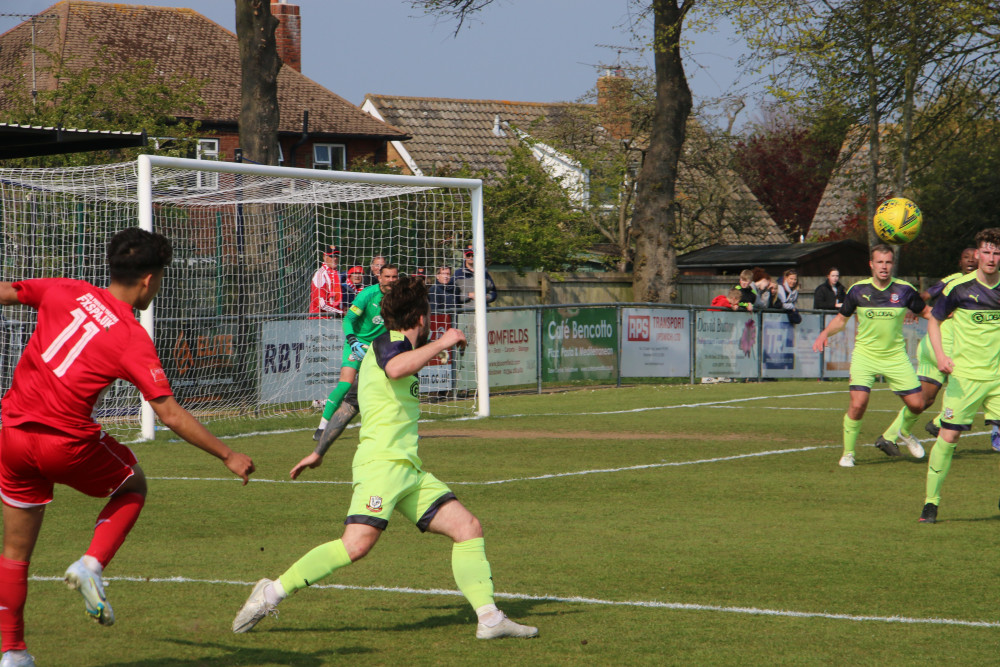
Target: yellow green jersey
(975,316)
(389,408)
(880,315)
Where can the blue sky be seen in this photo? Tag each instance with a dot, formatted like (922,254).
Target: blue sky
(523,50)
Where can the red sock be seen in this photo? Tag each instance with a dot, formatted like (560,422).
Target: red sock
(13,592)
(113,524)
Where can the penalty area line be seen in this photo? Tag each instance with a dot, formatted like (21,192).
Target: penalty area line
(644,604)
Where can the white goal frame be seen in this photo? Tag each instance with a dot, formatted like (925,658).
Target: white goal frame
(474,186)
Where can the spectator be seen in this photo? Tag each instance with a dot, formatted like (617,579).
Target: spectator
(788,294)
(830,295)
(728,301)
(443,294)
(378,261)
(765,289)
(748,292)
(326,292)
(465,281)
(353,283)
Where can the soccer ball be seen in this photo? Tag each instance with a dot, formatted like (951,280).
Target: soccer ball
(897,220)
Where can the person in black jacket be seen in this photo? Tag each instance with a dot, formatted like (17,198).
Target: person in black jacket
(830,295)
(443,295)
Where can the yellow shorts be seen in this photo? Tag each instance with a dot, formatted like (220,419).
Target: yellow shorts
(897,370)
(963,398)
(383,486)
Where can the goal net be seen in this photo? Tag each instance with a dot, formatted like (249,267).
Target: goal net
(233,322)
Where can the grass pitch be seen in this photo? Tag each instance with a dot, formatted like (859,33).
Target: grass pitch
(648,525)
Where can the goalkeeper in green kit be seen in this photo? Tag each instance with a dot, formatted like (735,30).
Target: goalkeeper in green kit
(362,325)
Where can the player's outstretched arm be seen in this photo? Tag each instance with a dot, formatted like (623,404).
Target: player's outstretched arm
(408,363)
(183,423)
(835,326)
(312,460)
(8,295)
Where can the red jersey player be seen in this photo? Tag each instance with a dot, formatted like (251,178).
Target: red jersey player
(86,337)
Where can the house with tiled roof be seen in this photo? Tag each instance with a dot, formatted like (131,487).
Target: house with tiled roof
(184,43)
(846,190)
(449,133)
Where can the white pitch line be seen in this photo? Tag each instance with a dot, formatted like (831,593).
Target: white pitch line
(646,604)
(549,414)
(642,466)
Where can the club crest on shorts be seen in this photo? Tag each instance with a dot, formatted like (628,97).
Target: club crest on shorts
(948,413)
(374,504)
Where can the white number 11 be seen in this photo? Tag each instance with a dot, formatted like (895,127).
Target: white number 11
(89,331)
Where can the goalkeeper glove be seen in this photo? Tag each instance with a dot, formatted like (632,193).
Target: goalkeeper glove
(357,347)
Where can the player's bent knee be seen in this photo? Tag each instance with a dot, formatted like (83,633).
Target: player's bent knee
(134,484)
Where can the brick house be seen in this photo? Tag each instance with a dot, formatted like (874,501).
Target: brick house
(185,43)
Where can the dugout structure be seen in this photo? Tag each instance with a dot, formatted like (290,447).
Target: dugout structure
(232,322)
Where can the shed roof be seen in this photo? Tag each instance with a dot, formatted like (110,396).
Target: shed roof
(17,141)
(746,256)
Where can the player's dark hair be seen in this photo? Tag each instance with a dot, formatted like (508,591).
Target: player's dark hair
(405,303)
(387,266)
(989,235)
(880,247)
(134,252)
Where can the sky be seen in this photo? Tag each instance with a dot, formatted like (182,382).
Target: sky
(521,50)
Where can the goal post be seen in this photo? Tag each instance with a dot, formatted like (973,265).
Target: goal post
(233,321)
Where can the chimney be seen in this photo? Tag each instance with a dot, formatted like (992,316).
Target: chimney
(614,97)
(289,33)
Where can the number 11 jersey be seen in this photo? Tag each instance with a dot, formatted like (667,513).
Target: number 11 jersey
(84,340)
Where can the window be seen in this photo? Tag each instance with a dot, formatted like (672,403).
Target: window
(330,156)
(208,149)
(204,149)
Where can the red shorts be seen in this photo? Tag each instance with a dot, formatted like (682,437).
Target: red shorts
(34,458)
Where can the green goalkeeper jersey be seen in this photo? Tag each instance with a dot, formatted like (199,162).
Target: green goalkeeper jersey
(364,318)
(975,316)
(880,315)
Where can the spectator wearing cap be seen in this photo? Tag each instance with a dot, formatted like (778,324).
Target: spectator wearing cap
(465,281)
(326,297)
(420,273)
(353,283)
(378,261)
(443,295)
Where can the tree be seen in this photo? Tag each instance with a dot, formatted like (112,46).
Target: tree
(877,59)
(109,94)
(655,211)
(259,66)
(533,224)
(787,165)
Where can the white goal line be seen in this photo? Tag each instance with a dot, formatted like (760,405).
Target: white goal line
(645,604)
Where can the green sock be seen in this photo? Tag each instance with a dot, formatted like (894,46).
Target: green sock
(335,398)
(907,419)
(938,464)
(851,430)
(315,565)
(472,571)
(895,427)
